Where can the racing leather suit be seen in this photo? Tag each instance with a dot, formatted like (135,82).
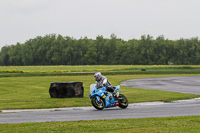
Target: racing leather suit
(103,82)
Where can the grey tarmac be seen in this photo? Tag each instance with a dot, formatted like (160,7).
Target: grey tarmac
(187,84)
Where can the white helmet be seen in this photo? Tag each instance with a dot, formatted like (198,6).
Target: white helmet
(97,76)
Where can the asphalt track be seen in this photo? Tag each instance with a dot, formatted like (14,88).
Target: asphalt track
(139,110)
(189,84)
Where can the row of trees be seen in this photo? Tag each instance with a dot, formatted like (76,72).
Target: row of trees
(58,50)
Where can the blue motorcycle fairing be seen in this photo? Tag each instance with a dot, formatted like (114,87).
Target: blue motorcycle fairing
(104,94)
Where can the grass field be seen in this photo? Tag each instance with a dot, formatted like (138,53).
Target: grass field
(21,87)
(33,92)
(107,69)
(188,124)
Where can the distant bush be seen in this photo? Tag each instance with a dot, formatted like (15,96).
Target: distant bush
(58,50)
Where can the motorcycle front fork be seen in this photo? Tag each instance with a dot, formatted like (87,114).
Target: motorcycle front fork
(98,98)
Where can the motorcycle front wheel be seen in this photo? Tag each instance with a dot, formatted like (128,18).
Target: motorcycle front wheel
(123,101)
(98,104)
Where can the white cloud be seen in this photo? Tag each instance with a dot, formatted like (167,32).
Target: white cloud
(25,19)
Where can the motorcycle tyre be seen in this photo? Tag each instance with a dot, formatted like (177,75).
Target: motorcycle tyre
(95,105)
(121,105)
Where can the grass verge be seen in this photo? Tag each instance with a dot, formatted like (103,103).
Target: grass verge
(185,124)
(28,71)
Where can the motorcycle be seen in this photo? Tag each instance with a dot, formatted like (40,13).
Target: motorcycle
(101,98)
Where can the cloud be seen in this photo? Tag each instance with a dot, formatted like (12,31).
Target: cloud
(25,19)
(22,6)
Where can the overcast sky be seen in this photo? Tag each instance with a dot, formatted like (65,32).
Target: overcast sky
(21,20)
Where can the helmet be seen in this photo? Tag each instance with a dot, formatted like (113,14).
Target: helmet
(97,76)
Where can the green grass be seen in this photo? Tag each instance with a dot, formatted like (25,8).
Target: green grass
(187,124)
(63,70)
(102,68)
(33,92)
(28,87)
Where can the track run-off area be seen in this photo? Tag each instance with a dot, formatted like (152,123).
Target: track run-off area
(188,84)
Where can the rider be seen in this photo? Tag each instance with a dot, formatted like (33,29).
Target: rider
(102,81)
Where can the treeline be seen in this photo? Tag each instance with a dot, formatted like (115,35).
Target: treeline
(58,50)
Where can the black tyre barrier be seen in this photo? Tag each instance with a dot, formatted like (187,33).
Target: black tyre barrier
(66,89)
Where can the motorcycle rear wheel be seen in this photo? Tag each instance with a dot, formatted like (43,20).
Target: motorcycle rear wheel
(98,105)
(123,101)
